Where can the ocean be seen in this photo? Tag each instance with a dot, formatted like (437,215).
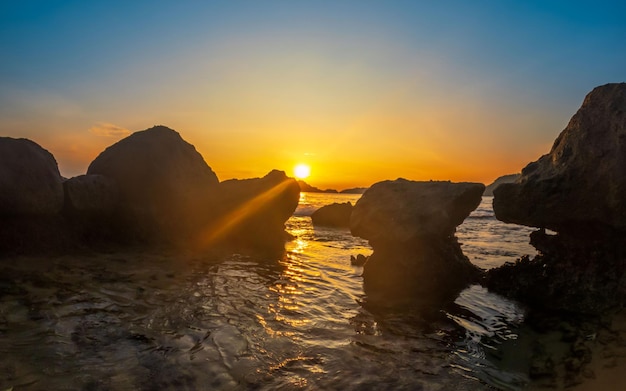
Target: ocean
(183,322)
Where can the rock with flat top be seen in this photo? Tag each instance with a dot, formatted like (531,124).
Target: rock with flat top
(411,227)
(333,215)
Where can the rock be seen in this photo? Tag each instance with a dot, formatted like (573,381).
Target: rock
(411,227)
(401,210)
(30,182)
(511,178)
(578,190)
(306,188)
(333,215)
(354,190)
(359,260)
(163,183)
(581,182)
(91,195)
(251,213)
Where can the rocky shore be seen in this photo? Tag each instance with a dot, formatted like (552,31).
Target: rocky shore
(150,189)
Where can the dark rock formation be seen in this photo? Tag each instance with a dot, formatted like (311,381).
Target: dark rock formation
(251,213)
(359,260)
(411,227)
(511,178)
(582,180)
(578,190)
(164,183)
(333,215)
(30,182)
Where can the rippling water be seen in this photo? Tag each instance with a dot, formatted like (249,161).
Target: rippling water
(171,321)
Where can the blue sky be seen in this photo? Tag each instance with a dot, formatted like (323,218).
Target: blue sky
(445,90)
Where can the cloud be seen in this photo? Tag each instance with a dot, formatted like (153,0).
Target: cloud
(104,129)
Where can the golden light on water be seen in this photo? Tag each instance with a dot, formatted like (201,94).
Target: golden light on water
(302,171)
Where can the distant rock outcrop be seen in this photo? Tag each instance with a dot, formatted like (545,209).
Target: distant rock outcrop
(30,182)
(579,191)
(163,182)
(333,215)
(354,190)
(411,225)
(305,187)
(500,180)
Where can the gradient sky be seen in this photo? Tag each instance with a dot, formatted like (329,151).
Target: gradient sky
(360,90)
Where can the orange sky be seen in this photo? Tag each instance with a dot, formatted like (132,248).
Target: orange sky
(361,91)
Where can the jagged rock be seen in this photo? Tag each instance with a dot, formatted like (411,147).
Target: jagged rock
(163,182)
(30,182)
(251,213)
(333,215)
(578,190)
(411,227)
(91,195)
(582,181)
(359,260)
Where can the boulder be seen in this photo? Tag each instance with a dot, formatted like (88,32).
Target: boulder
(91,195)
(333,215)
(251,213)
(401,210)
(163,182)
(30,182)
(581,183)
(511,178)
(577,190)
(411,225)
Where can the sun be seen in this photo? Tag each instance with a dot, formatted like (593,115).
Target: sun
(302,171)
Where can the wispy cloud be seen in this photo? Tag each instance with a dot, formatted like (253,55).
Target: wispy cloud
(105,129)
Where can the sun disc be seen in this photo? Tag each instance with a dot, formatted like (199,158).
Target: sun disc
(302,171)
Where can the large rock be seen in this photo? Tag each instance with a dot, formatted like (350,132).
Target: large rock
(411,227)
(251,213)
(511,178)
(163,182)
(401,210)
(333,215)
(30,182)
(582,181)
(578,190)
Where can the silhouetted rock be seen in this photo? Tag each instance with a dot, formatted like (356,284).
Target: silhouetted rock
(333,215)
(91,195)
(251,213)
(359,260)
(511,178)
(582,180)
(402,210)
(578,190)
(411,225)
(30,182)
(163,182)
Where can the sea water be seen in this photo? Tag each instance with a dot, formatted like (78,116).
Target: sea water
(168,321)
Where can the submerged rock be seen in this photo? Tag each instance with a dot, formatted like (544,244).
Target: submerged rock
(30,182)
(411,227)
(163,182)
(333,215)
(578,190)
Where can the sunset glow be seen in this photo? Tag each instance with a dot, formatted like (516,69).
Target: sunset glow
(367,91)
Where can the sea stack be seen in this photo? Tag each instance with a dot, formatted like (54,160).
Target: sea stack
(411,227)
(579,191)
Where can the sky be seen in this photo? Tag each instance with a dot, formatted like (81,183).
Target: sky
(361,91)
